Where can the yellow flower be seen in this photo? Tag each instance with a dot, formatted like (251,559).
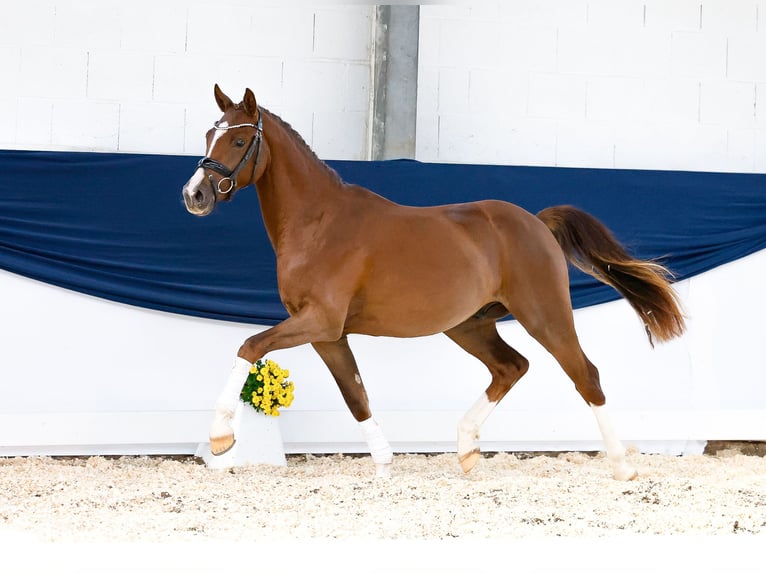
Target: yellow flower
(270,389)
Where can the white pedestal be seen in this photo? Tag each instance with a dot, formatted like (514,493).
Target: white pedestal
(258,441)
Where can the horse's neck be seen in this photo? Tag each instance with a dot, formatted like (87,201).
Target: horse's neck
(296,188)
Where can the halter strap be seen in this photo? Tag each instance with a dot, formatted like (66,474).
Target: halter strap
(257,126)
(230,175)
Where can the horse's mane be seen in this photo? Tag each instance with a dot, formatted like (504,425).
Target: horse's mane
(302,143)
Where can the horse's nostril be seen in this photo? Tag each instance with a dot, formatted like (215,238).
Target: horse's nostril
(197,197)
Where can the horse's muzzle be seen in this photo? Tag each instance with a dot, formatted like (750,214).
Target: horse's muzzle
(199,198)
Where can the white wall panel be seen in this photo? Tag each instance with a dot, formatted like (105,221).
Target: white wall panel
(120,76)
(726,103)
(760,104)
(555,13)
(340,133)
(669,147)
(489,91)
(53,72)
(87,25)
(87,375)
(32,122)
(222,30)
(453,90)
(10,64)
(745,56)
(760,151)
(678,15)
(82,57)
(155,128)
(343,33)
(673,84)
(730,17)
(30,23)
(691,62)
(85,124)
(698,55)
(741,150)
(164,32)
(560,96)
(625,14)
(585,144)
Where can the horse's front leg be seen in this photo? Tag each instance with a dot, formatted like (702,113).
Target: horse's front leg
(296,330)
(340,360)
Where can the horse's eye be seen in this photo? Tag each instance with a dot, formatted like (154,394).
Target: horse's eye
(240,142)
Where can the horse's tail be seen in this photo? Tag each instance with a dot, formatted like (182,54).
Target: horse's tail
(591,247)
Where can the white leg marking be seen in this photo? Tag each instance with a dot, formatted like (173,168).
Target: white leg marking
(227,400)
(469,429)
(381,451)
(615,452)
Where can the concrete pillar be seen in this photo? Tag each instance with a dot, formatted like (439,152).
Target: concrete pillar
(395,79)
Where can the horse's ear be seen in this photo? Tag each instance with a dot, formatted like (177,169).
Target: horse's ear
(251,107)
(223,101)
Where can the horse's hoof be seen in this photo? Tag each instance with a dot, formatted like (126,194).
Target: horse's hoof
(383,470)
(221,445)
(625,473)
(469,460)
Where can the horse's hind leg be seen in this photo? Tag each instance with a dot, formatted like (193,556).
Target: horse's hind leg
(553,327)
(480,338)
(339,359)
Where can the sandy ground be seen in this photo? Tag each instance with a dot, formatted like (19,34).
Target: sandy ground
(336,500)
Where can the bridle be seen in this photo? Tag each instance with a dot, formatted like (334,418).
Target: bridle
(230,175)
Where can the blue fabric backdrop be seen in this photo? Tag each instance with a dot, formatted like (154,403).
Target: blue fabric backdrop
(114,225)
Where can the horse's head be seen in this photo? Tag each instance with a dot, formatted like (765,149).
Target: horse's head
(233,152)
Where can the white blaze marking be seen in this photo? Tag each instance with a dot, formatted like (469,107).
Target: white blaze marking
(216,136)
(196,179)
(199,176)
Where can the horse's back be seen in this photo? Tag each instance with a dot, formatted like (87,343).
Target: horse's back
(492,239)
(517,233)
(427,269)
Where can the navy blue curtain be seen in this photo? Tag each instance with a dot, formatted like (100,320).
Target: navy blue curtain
(114,225)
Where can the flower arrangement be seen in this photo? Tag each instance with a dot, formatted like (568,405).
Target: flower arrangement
(267,388)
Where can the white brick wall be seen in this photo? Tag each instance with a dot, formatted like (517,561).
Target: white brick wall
(138,76)
(665,84)
(651,84)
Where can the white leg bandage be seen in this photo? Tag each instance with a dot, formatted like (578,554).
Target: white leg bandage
(228,399)
(381,451)
(229,396)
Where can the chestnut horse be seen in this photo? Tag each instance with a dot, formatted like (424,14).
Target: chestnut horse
(350,261)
